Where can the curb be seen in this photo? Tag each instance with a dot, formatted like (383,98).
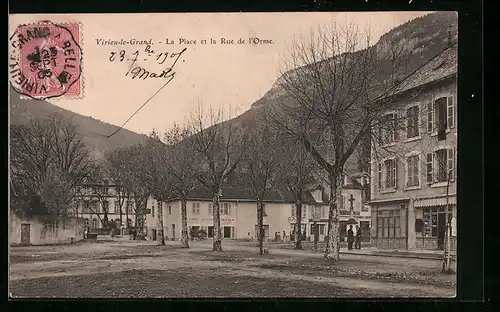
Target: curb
(395,255)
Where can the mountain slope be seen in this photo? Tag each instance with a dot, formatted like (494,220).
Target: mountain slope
(427,36)
(94,131)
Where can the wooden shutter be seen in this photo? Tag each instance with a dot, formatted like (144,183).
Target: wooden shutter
(450,112)
(451,163)
(396,127)
(228,209)
(293,211)
(408,171)
(379,176)
(232,232)
(395,173)
(430,116)
(435,167)
(209,208)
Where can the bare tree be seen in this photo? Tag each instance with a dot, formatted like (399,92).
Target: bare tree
(49,160)
(260,163)
(183,169)
(115,164)
(99,185)
(158,177)
(217,144)
(295,172)
(336,87)
(136,181)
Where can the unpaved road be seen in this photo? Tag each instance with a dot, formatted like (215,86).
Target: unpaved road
(125,269)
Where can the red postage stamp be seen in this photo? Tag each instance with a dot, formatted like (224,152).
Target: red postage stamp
(46,60)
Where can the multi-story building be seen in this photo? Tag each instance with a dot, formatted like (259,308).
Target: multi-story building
(413,189)
(95,199)
(239,213)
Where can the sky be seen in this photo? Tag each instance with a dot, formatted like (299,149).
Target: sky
(227,75)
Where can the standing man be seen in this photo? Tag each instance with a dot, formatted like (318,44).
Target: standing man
(350,238)
(357,245)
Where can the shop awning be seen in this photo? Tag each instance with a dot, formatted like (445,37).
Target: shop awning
(430,202)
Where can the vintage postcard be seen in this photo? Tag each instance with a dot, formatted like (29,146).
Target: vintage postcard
(233,155)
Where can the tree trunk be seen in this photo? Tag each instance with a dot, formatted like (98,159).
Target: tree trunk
(217,237)
(332,244)
(127,209)
(160,224)
(105,220)
(298,225)
(260,227)
(184,226)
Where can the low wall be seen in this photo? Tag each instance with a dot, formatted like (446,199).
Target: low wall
(44,230)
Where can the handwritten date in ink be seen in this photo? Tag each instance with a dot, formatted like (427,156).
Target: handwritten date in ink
(148,53)
(167,59)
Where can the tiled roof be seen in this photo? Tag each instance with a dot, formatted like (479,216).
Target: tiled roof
(442,66)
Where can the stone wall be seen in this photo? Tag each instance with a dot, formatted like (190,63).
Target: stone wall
(42,230)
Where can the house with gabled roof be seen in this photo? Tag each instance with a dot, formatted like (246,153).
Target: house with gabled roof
(239,212)
(413,163)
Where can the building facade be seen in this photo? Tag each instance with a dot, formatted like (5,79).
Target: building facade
(413,162)
(239,214)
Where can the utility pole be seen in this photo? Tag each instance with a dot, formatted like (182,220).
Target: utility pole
(447,246)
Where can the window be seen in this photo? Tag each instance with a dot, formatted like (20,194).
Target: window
(209,209)
(388,129)
(293,211)
(169,210)
(412,122)
(153,211)
(226,209)
(321,229)
(196,208)
(117,206)
(379,176)
(412,171)
(388,224)
(390,173)
(304,211)
(431,217)
(264,213)
(105,205)
(105,188)
(441,114)
(429,170)
(440,164)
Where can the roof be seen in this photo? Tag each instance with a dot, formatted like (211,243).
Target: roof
(440,67)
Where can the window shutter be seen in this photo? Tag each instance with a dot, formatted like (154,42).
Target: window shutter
(451,164)
(232,232)
(228,209)
(395,173)
(210,208)
(341,201)
(428,168)
(293,211)
(379,177)
(396,126)
(451,112)
(435,166)
(408,169)
(430,116)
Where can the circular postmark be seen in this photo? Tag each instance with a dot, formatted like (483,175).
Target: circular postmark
(45,60)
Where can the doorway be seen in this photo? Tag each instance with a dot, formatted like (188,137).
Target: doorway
(173,232)
(153,234)
(441,225)
(227,232)
(25,234)
(210,232)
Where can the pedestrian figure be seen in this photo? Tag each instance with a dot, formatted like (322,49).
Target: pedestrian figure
(350,238)
(357,244)
(134,234)
(284,236)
